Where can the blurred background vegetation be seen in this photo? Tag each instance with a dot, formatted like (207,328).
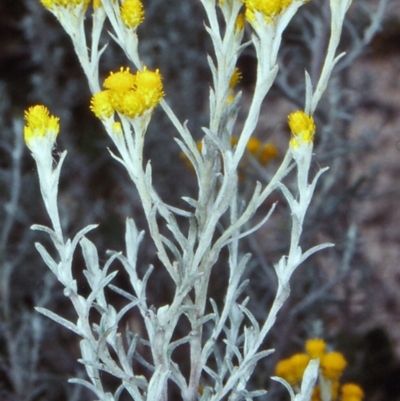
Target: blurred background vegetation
(346,294)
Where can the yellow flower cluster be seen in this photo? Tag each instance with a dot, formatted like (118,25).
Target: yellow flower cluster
(132,13)
(348,392)
(332,365)
(263,152)
(303,128)
(40,124)
(240,22)
(128,94)
(51,4)
(292,369)
(351,392)
(269,8)
(315,347)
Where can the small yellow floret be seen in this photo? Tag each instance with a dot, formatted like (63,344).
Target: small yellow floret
(117,99)
(299,362)
(303,128)
(292,369)
(121,80)
(315,348)
(254,145)
(235,78)
(332,365)
(249,15)
(39,123)
(264,153)
(132,13)
(97,4)
(268,153)
(240,22)
(150,87)
(284,370)
(132,104)
(101,104)
(351,392)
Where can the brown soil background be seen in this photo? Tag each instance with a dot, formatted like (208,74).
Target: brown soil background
(378,216)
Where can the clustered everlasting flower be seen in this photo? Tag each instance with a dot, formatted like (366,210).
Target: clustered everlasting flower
(292,369)
(132,13)
(264,153)
(351,392)
(332,365)
(315,347)
(41,128)
(128,94)
(131,99)
(302,127)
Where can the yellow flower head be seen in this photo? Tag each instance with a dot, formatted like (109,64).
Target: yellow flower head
(101,105)
(268,153)
(299,363)
(315,348)
(40,125)
(264,153)
(235,78)
(332,365)
(122,80)
(253,146)
(240,22)
(132,104)
(149,87)
(351,392)
(269,8)
(129,94)
(303,128)
(292,369)
(132,13)
(284,369)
